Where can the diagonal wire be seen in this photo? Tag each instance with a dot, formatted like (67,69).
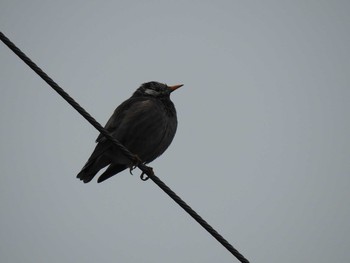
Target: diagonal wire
(145,169)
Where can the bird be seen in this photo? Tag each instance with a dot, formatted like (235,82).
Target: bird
(145,124)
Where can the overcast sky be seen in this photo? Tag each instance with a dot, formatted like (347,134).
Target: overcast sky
(261,152)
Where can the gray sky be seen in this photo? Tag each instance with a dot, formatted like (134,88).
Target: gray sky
(261,152)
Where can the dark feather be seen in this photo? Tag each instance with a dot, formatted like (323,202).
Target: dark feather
(145,124)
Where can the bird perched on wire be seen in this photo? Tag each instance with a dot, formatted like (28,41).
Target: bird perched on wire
(145,124)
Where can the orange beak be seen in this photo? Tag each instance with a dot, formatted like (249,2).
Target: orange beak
(175,87)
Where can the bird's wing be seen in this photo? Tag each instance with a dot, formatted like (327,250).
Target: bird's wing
(111,126)
(140,124)
(118,115)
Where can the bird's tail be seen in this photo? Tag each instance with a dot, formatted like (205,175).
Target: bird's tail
(92,167)
(111,170)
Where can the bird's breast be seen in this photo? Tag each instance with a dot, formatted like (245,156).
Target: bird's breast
(150,129)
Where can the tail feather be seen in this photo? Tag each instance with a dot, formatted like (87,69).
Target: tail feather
(86,177)
(92,167)
(102,156)
(111,170)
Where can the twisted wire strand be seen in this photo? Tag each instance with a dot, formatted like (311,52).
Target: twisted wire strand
(145,169)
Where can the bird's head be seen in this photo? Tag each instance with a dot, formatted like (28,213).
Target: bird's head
(155,89)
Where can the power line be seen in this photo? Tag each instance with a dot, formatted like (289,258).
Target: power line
(145,169)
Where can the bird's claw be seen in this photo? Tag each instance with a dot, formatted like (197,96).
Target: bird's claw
(132,168)
(144,175)
(135,162)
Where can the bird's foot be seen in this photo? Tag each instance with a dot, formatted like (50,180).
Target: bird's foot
(144,176)
(135,162)
(131,169)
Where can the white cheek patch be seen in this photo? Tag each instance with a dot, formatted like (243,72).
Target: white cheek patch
(151,92)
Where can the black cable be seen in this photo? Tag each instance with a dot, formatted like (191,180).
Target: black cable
(145,169)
